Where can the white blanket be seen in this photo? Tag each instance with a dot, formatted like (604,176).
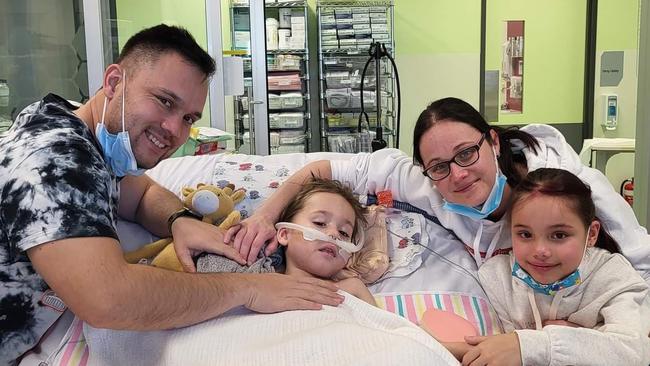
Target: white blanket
(353,333)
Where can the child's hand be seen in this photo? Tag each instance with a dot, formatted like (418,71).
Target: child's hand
(458,349)
(565,323)
(502,349)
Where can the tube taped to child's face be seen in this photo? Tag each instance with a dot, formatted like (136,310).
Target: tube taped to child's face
(346,248)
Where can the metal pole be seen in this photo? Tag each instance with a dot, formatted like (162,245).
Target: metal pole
(94,45)
(215,49)
(377,82)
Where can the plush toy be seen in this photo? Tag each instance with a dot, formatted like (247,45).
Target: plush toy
(372,261)
(215,204)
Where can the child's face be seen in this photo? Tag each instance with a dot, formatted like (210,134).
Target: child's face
(331,214)
(548,237)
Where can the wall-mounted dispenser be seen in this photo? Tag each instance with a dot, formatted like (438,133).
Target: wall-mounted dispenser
(610,117)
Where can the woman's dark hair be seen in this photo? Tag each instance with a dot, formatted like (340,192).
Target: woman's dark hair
(320,185)
(457,110)
(564,184)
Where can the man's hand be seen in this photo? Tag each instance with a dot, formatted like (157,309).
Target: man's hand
(502,350)
(192,237)
(273,292)
(250,235)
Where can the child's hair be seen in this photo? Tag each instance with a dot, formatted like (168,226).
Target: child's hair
(319,185)
(564,184)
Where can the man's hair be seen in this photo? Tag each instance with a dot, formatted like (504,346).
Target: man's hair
(148,45)
(319,185)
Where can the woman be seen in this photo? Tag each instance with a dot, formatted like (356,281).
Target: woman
(462,172)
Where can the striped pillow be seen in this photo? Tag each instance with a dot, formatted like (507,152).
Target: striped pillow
(413,304)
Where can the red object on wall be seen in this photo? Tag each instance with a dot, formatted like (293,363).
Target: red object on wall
(627,190)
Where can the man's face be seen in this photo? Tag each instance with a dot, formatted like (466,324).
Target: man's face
(163,99)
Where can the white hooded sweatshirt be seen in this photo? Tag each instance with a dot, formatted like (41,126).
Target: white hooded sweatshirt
(611,305)
(392,170)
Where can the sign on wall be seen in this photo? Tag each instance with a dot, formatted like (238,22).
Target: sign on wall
(512,67)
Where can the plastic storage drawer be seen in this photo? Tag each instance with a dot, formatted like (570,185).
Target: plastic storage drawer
(291,100)
(292,137)
(286,120)
(275,101)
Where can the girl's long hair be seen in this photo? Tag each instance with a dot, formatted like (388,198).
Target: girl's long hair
(565,185)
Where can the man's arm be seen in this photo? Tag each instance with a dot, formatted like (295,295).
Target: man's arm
(92,278)
(146,202)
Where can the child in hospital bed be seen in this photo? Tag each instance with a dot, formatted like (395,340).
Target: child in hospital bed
(564,295)
(320,229)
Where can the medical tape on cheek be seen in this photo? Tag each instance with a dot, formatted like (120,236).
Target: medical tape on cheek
(313,234)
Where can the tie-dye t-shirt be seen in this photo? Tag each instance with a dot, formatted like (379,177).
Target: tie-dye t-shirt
(54,184)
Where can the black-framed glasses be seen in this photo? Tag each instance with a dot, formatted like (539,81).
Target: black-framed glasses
(463,158)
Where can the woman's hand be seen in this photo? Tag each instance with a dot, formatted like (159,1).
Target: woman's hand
(502,350)
(250,235)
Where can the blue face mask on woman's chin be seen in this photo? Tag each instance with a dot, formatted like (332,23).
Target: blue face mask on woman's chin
(491,203)
(117,148)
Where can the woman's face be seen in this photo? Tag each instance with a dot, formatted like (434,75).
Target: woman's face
(468,185)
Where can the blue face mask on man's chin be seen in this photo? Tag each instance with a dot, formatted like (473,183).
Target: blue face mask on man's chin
(117,148)
(491,203)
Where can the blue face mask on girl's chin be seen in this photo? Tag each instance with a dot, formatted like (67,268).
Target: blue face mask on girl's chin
(490,205)
(117,148)
(546,289)
(550,289)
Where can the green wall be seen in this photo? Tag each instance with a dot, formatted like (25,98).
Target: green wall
(438,52)
(136,15)
(618,27)
(436,57)
(554,53)
(618,30)
(437,46)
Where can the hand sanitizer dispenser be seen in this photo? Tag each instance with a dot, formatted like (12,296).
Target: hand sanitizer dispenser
(611,111)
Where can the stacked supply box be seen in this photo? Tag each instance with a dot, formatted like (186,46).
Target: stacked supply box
(347,29)
(353,27)
(287,62)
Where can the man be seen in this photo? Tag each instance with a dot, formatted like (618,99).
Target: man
(63,172)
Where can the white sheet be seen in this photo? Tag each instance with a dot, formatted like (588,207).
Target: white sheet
(354,333)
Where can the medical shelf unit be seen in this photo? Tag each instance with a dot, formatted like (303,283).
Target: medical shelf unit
(287,76)
(346,31)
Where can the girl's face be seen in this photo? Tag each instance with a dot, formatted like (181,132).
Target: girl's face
(468,185)
(548,237)
(326,212)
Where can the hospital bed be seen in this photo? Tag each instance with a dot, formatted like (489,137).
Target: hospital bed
(441,276)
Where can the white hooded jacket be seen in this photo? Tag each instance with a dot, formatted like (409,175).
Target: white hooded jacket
(392,170)
(611,306)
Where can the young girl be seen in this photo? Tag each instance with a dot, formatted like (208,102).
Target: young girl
(565,296)
(320,229)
